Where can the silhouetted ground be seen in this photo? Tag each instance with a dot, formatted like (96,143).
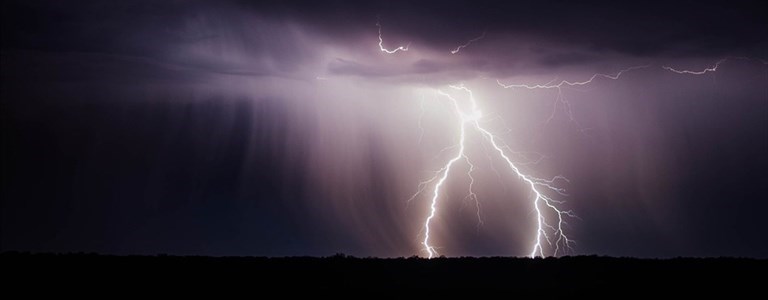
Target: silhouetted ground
(84,272)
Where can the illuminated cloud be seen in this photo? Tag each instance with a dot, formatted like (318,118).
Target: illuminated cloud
(280,128)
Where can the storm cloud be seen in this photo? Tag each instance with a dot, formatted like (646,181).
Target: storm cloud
(280,128)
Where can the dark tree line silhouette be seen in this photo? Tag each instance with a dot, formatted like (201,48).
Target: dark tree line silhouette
(579,273)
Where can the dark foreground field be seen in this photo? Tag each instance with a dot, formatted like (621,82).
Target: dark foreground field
(302,274)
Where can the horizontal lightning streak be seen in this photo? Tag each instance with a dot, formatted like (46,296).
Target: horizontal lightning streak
(713,68)
(562,83)
(565,83)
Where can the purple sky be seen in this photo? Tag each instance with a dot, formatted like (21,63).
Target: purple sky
(280,128)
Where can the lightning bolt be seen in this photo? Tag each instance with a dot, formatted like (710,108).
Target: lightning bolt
(549,230)
(713,68)
(550,218)
(381,43)
(560,100)
(462,46)
(563,83)
(543,204)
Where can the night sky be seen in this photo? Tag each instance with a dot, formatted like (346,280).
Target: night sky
(280,128)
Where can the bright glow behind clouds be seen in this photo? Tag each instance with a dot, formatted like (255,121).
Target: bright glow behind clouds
(350,130)
(364,105)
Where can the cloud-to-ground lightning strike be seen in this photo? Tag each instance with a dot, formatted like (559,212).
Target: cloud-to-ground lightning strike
(550,218)
(543,204)
(462,46)
(554,235)
(381,43)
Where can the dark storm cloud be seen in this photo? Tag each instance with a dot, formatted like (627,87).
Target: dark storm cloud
(191,35)
(642,28)
(273,127)
(561,59)
(256,29)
